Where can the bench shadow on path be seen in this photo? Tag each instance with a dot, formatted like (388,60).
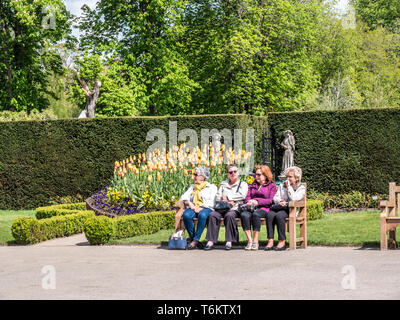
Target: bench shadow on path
(84,243)
(370,245)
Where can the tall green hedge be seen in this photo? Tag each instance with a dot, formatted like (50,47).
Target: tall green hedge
(341,151)
(43,160)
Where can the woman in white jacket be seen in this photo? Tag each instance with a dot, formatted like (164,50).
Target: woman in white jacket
(199,201)
(290,190)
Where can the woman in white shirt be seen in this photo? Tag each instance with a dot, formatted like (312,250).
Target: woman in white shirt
(199,201)
(290,190)
(234,192)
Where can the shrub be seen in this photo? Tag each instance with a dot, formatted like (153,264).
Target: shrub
(30,230)
(23,115)
(101,229)
(315,209)
(24,230)
(350,200)
(59,210)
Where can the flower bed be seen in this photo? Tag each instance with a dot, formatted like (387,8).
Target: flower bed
(154,182)
(100,205)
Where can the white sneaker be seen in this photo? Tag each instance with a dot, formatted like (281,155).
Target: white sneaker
(249,245)
(254,246)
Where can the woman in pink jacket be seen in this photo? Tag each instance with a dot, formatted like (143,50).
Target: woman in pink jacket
(259,199)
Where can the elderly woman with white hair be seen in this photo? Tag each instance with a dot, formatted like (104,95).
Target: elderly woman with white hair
(199,201)
(290,190)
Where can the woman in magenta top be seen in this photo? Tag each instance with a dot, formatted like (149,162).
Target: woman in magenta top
(260,197)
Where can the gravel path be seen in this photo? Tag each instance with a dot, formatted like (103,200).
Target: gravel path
(69,268)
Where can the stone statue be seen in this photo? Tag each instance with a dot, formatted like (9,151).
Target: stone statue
(288,157)
(216,142)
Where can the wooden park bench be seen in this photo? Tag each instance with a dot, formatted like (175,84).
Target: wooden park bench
(291,222)
(390,217)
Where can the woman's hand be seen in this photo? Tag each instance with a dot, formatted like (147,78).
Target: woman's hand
(283,203)
(198,209)
(253,202)
(232,203)
(286,183)
(191,205)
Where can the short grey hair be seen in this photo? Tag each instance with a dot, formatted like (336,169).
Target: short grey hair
(296,171)
(204,171)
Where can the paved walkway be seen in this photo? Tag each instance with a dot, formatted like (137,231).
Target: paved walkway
(153,272)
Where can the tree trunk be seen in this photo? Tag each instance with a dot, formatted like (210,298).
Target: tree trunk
(91,99)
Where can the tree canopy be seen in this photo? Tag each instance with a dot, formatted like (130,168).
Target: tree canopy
(29,30)
(176,57)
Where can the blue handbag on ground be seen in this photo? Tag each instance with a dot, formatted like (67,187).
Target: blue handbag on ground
(177,243)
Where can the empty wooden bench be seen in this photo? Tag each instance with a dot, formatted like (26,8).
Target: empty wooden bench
(291,222)
(390,217)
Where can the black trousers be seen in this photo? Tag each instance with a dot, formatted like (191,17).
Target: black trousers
(231,230)
(277,218)
(252,219)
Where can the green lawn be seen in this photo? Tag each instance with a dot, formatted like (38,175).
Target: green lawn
(6,219)
(344,228)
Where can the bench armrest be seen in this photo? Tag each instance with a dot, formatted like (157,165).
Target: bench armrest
(386,204)
(179,205)
(296,204)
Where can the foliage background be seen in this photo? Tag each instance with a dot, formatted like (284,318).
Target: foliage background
(178,57)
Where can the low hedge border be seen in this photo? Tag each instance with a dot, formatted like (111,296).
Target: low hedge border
(101,229)
(30,230)
(59,210)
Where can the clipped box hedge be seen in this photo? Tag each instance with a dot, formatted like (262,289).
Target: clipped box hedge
(30,230)
(59,210)
(100,229)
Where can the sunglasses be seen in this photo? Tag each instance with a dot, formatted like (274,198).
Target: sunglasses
(258,174)
(232,172)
